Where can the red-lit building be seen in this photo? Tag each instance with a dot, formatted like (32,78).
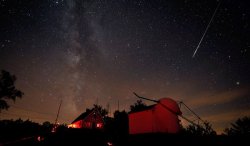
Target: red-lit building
(89,119)
(159,118)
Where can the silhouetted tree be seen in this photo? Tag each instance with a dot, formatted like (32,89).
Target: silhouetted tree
(198,130)
(121,122)
(102,110)
(120,127)
(138,106)
(47,126)
(117,127)
(8,89)
(240,127)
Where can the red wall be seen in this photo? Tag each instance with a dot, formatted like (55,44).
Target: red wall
(141,122)
(166,121)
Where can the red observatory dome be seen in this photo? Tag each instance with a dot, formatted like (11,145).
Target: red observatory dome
(170,104)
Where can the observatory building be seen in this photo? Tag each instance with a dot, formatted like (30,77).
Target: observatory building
(159,118)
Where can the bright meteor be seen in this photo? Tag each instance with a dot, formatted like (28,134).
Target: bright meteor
(198,46)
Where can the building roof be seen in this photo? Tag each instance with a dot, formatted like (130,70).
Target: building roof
(86,114)
(143,109)
(168,103)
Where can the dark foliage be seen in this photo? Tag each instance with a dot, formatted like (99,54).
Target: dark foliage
(121,122)
(117,127)
(13,130)
(199,130)
(99,108)
(240,127)
(138,106)
(8,89)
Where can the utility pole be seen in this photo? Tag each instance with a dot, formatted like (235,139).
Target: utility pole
(55,125)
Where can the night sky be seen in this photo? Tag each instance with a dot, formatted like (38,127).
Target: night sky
(100,52)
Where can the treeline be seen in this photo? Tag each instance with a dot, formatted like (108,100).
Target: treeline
(116,129)
(17,129)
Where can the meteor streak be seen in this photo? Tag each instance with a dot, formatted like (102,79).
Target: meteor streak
(206,30)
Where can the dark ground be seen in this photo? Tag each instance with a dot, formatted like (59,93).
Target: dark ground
(100,138)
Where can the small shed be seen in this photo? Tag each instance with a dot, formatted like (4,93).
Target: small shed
(159,118)
(90,119)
